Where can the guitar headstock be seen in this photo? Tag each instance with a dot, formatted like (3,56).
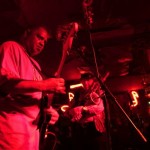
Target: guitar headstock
(67,30)
(66,34)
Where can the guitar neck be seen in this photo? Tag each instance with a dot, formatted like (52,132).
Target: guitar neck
(67,43)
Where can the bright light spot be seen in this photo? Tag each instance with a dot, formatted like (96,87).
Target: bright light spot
(71,96)
(134,97)
(74,86)
(64,108)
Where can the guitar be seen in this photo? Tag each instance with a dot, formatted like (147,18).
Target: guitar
(48,98)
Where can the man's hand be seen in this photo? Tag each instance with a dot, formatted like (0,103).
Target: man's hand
(54,115)
(75,113)
(56,85)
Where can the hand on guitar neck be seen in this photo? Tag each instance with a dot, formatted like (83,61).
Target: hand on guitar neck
(54,85)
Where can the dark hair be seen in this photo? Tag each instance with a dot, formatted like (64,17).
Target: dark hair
(31,28)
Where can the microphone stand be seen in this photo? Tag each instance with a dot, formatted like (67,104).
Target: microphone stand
(89,20)
(106,90)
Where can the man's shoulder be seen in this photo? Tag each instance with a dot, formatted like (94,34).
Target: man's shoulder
(10,43)
(11,46)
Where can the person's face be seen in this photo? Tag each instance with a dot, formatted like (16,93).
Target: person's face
(36,40)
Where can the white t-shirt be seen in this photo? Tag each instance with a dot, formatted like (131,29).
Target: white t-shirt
(18,112)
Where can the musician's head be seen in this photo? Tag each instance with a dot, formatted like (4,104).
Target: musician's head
(35,38)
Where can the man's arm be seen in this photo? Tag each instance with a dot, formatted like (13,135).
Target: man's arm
(20,86)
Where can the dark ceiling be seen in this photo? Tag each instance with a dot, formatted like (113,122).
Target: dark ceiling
(108,14)
(120,29)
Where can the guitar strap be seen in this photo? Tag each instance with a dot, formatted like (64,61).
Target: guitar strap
(42,119)
(36,67)
(44,100)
